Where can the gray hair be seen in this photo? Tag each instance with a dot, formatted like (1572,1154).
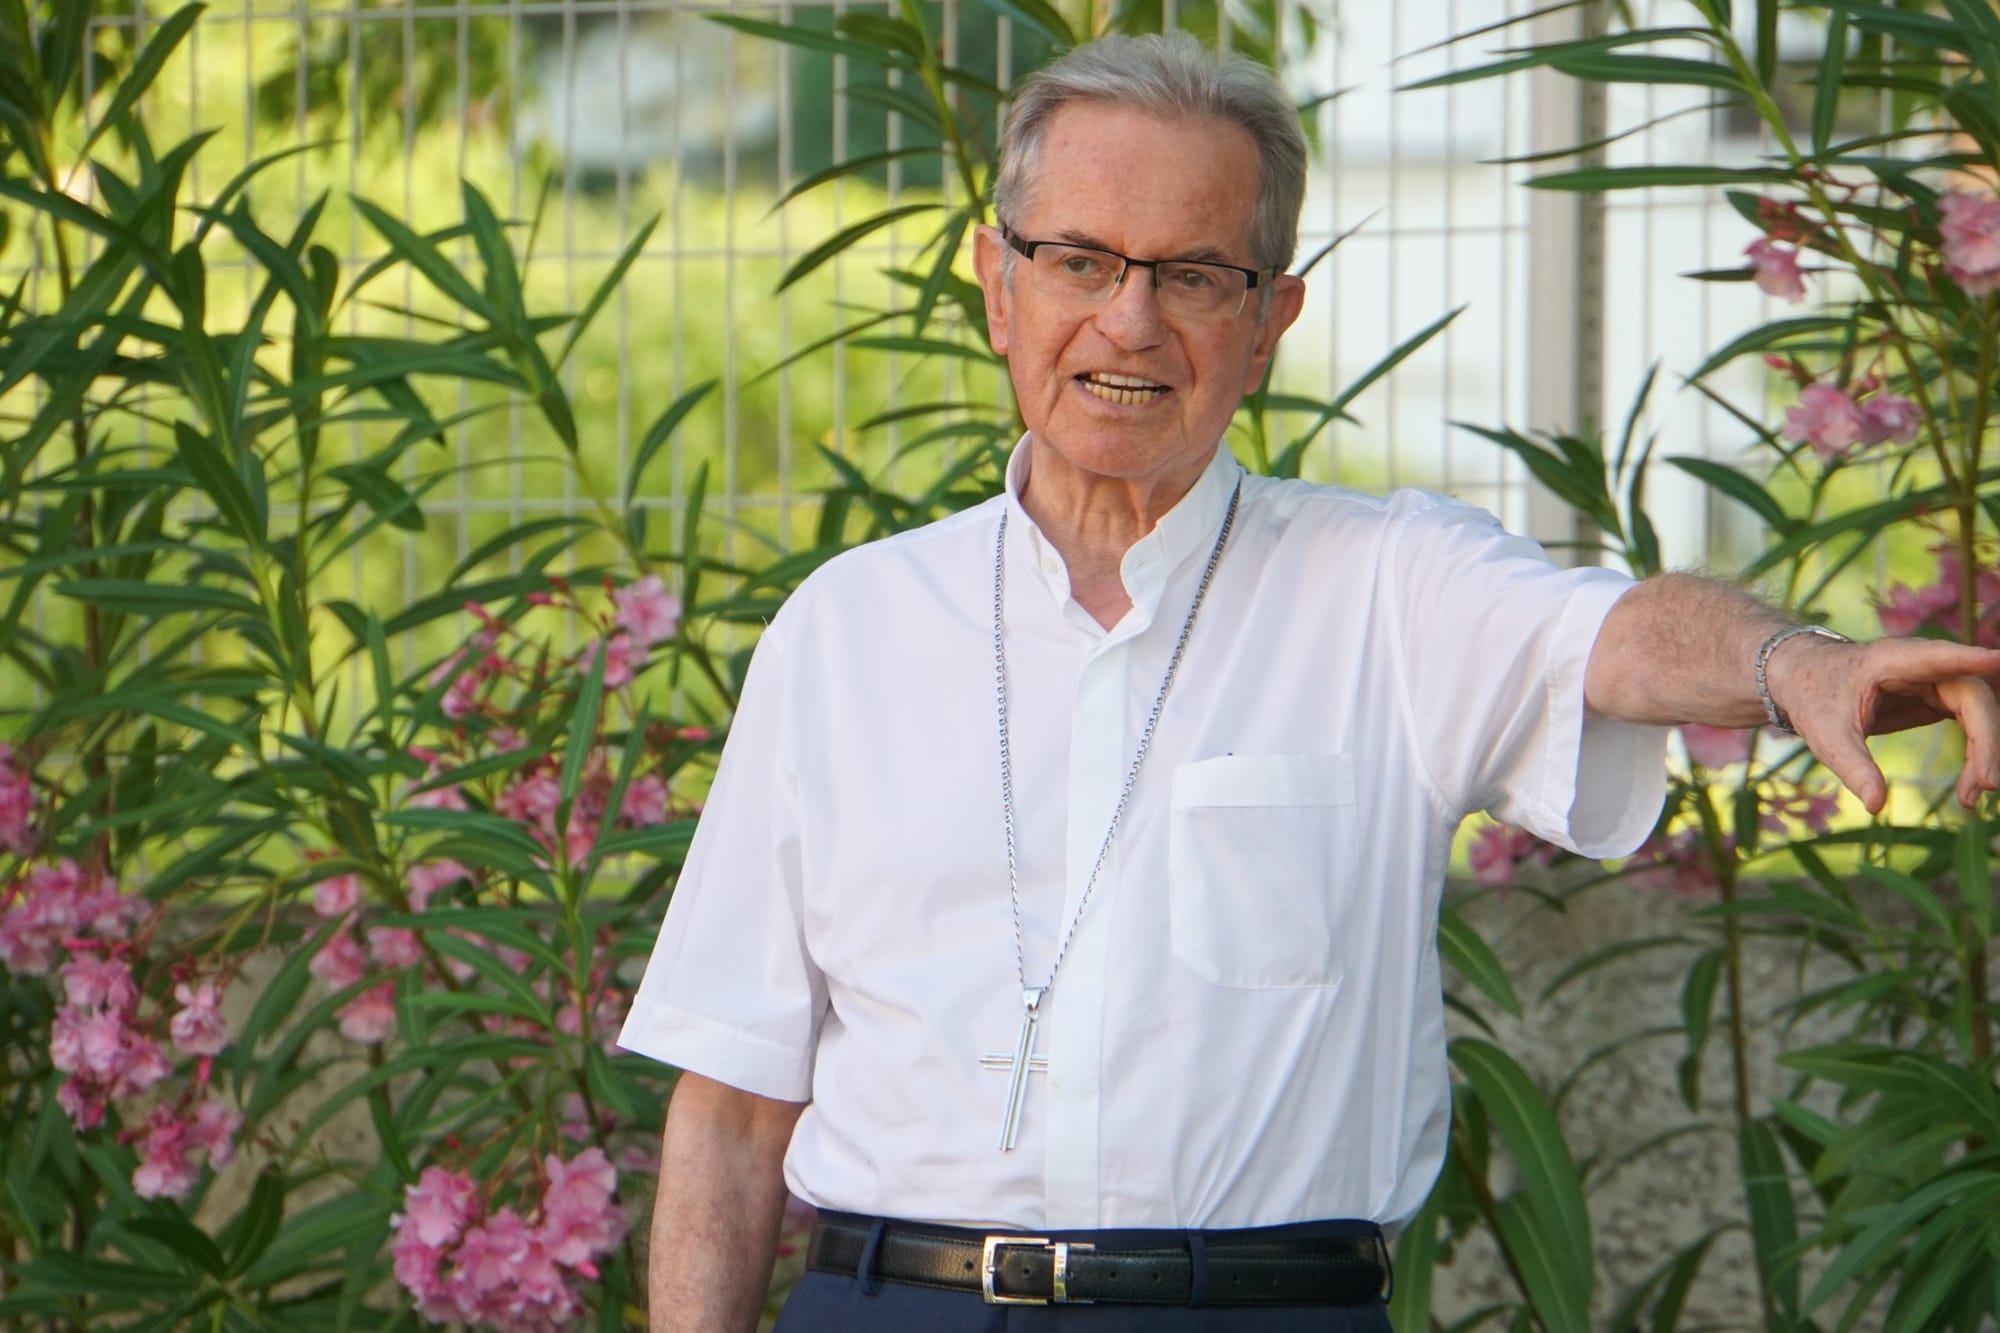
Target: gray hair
(1169,75)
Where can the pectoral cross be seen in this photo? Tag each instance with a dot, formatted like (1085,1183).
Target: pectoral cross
(1020,1064)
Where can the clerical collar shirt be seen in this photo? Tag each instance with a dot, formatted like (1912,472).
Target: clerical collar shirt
(1248,1025)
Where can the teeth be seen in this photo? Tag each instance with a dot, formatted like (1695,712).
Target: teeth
(1121,390)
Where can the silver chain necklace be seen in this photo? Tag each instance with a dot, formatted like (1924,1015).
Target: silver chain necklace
(1024,1060)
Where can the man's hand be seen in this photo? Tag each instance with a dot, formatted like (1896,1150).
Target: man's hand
(1678,648)
(1836,694)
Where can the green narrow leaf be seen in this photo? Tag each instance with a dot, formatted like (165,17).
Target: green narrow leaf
(582,728)
(1697,1010)
(599,297)
(1737,486)
(849,167)
(1466,953)
(258,1223)
(1826,92)
(1594,180)
(660,432)
(219,481)
(1527,1125)
(422,254)
(1557,1292)
(848,236)
(187,1241)
(812,40)
(1039,15)
(1773,1220)
(1415,1264)
(1975,882)
(1767,42)
(151,60)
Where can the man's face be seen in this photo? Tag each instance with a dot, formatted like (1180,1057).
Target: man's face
(1122,180)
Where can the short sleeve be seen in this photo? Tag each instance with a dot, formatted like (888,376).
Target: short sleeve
(1494,640)
(730,991)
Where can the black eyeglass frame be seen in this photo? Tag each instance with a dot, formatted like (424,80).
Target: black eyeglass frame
(1252,277)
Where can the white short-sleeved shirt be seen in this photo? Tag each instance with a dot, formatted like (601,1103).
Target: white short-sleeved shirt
(1248,1027)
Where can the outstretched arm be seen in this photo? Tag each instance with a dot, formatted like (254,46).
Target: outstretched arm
(1678,648)
(721,1200)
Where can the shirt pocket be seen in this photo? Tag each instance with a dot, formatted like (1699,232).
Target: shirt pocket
(1261,850)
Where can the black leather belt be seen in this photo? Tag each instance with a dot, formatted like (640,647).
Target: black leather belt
(1011,1269)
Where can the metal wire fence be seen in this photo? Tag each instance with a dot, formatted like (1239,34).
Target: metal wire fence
(592,115)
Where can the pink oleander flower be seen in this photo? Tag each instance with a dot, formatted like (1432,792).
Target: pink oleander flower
(54,903)
(213,1130)
(436,1208)
(447,797)
(336,895)
(645,802)
(1775,269)
(369,1017)
(1814,808)
(1970,227)
(1498,850)
(84,1101)
(1888,416)
(91,982)
(1716,747)
(17,805)
(580,1218)
(198,1029)
(647,609)
(426,879)
(393,946)
(532,800)
(621,659)
(506,740)
(1825,418)
(167,1169)
(340,962)
(1679,865)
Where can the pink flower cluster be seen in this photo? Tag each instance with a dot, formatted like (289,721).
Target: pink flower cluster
(17,805)
(1833,423)
(494,1269)
(1498,851)
(98,1040)
(1716,747)
(1775,269)
(1934,606)
(1969,226)
(172,1138)
(56,903)
(535,798)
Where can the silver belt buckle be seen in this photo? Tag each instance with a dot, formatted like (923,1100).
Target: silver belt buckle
(989,1268)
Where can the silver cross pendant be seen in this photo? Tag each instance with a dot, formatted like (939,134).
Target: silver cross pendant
(1020,1064)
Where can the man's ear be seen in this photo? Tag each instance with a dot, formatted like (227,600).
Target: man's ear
(1288,298)
(987,254)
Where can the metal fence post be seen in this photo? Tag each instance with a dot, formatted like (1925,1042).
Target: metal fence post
(1565,343)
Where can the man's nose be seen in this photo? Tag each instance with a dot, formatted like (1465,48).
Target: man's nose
(1131,315)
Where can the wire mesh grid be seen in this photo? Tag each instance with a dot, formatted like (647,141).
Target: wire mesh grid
(627,108)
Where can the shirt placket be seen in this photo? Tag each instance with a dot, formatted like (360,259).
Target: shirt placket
(1099,754)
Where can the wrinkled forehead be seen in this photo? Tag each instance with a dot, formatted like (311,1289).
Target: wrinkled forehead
(1141,183)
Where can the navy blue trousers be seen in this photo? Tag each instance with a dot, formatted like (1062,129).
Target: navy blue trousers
(852,1303)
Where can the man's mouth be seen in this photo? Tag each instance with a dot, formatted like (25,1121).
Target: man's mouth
(1121,390)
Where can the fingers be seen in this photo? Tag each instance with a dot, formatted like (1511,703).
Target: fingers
(1847,758)
(1932,659)
(1972,702)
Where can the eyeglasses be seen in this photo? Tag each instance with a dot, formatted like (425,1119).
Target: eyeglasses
(1186,286)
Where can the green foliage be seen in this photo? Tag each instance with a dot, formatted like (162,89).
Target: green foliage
(1874,1176)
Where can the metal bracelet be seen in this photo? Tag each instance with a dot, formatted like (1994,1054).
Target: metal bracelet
(1764,651)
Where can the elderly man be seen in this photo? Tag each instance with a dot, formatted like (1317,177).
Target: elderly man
(1062,921)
